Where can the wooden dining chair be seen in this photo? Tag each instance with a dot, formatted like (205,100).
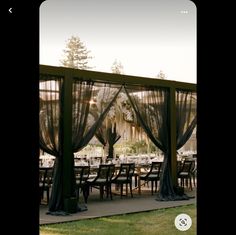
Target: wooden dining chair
(124,176)
(101,181)
(185,174)
(81,177)
(45,182)
(152,175)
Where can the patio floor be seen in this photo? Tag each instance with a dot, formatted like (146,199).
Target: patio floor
(117,206)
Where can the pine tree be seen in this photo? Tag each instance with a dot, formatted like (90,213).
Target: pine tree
(117,67)
(161,75)
(76,54)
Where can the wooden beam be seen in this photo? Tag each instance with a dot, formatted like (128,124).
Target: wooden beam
(115,78)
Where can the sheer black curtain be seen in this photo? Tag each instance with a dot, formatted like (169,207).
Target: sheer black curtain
(50,121)
(108,135)
(186,117)
(91,102)
(90,106)
(112,137)
(87,98)
(101,134)
(82,92)
(151,105)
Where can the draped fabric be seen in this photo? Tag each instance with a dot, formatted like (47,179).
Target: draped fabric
(107,135)
(186,118)
(82,92)
(112,137)
(101,134)
(118,120)
(50,136)
(91,102)
(151,105)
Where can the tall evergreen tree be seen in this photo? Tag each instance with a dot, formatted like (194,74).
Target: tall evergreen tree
(161,75)
(117,67)
(76,54)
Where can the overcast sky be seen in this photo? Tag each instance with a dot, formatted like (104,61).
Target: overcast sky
(146,36)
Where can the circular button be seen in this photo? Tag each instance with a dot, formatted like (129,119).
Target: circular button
(183,222)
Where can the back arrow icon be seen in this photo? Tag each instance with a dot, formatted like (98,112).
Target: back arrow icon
(10,10)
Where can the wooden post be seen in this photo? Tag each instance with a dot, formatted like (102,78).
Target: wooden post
(67,159)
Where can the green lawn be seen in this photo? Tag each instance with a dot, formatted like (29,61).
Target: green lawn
(158,222)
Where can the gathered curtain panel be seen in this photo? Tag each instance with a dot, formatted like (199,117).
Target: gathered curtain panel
(90,104)
(112,137)
(86,118)
(101,134)
(151,105)
(108,135)
(186,117)
(50,135)
(82,92)
(89,114)
(50,115)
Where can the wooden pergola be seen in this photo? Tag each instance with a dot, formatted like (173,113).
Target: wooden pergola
(68,74)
